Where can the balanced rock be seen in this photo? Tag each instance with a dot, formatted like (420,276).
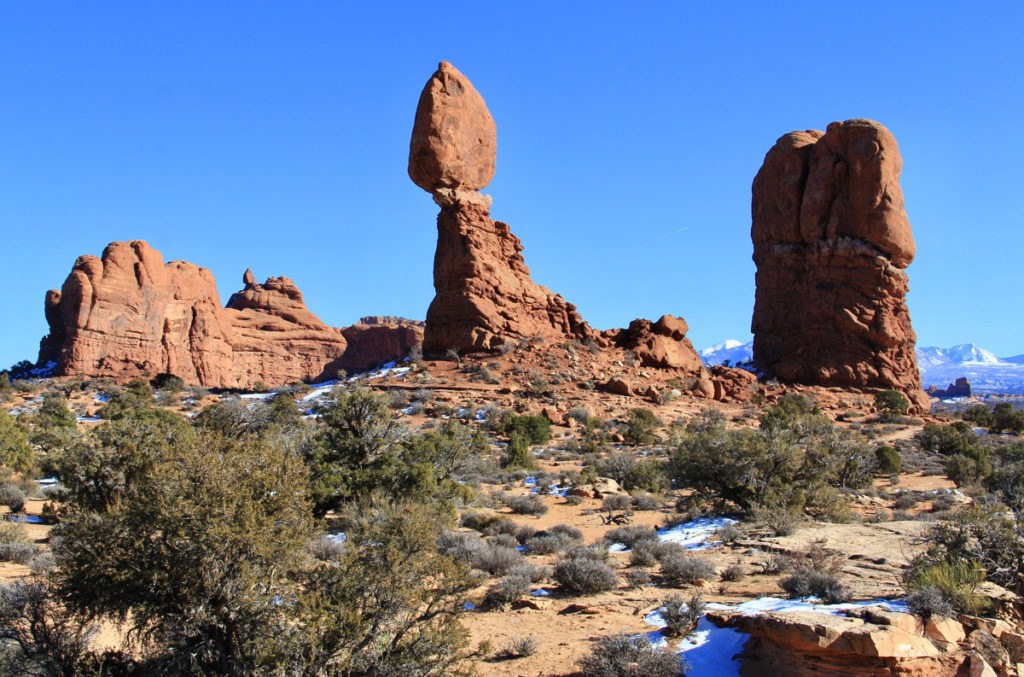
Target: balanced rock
(128,313)
(484,293)
(453,138)
(831,242)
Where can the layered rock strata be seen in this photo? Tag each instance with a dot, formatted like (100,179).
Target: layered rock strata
(831,242)
(128,313)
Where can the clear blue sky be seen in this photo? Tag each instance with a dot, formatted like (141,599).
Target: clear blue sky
(274,135)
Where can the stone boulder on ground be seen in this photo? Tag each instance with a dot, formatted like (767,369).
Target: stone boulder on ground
(831,242)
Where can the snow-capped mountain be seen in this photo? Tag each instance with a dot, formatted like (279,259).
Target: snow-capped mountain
(731,350)
(939,366)
(986,372)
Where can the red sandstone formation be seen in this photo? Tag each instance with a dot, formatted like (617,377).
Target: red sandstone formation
(831,240)
(962,388)
(484,292)
(128,313)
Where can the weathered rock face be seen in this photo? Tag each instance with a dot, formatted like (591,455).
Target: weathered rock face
(453,138)
(484,294)
(831,240)
(871,641)
(662,344)
(128,313)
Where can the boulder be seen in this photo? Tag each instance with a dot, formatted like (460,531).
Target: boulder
(831,242)
(453,137)
(662,344)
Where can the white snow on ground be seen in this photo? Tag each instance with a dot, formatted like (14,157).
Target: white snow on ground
(258,396)
(709,649)
(89,419)
(691,535)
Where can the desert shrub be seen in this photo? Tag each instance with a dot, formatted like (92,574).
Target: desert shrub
(797,459)
(18,553)
(645,553)
(520,647)
(639,429)
(15,451)
(497,559)
(732,573)
(479,521)
(623,655)
(524,532)
(986,536)
(804,582)
(506,590)
(42,563)
(573,499)
(636,578)
(566,531)
(526,504)
(643,500)
(630,536)
(649,475)
(929,600)
(888,460)
(191,572)
(461,546)
(12,496)
(781,519)
(531,572)
(955,438)
(814,556)
(906,500)
(580,414)
(978,414)
(680,567)
(136,396)
(729,534)
(892,403)
(167,382)
(681,615)
(327,548)
(1006,419)
(504,540)
(955,581)
(972,465)
(536,429)
(361,448)
(39,637)
(11,532)
(517,453)
(584,576)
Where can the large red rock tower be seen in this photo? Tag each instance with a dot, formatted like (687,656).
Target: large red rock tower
(831,242)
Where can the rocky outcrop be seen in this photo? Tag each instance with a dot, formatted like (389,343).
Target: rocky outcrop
(962,388)
(662,344)
(128,313)
(831,242)
(484,293)
(869,641)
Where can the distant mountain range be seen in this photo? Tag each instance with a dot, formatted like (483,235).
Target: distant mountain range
(939,366)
